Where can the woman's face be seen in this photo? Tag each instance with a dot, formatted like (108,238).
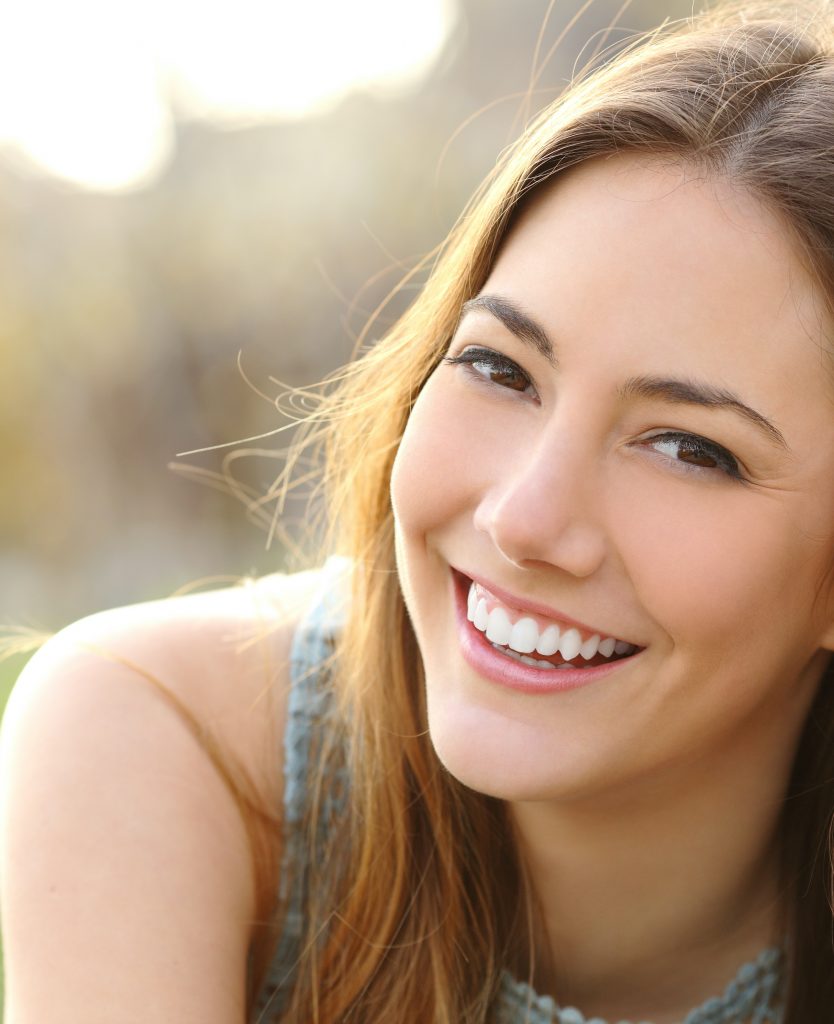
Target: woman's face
(634,440)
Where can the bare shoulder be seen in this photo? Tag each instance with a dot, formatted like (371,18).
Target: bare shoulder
(224,654)
(127,877)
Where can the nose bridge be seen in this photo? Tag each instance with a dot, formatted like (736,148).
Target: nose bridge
(546,506)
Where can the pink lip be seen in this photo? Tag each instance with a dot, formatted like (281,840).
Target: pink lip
(486,661)
(523,605)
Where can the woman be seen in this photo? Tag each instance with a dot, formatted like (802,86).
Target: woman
(558,733)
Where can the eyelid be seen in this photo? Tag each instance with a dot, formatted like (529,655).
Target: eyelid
(470,353)
(493,361)
(733,467)
(474,347)
(473,350)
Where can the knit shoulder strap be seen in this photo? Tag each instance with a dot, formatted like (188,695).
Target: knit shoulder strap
(309,703)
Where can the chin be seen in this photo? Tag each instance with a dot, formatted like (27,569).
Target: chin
(507,759)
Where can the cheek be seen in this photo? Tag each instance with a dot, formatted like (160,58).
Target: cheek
(722,567)
(428,467)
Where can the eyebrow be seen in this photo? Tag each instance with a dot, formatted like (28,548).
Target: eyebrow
(689,392)
(524,327)
(677,391)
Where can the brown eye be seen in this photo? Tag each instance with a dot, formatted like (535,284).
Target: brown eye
(696,453)
(493,368)
(697,457)
(507,376)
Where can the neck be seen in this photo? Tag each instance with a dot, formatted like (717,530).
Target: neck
(649,901)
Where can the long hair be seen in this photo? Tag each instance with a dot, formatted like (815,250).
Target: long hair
(428,902)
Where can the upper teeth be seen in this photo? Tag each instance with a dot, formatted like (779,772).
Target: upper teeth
(526,634)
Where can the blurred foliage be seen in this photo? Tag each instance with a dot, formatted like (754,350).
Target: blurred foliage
(122,316)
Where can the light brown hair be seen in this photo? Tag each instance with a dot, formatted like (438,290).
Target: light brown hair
(428,903)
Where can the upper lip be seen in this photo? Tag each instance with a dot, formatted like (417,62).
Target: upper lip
(523,604)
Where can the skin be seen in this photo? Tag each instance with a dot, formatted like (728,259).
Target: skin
(126,876)
(647,803)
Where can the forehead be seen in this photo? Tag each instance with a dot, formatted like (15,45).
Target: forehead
(644,255)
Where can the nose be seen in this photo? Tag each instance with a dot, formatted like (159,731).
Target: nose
(545,506)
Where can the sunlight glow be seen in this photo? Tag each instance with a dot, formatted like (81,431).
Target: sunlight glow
(89,89)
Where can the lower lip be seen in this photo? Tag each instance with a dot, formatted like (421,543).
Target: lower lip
(482,656)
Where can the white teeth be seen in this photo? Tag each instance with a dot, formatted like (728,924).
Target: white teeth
(523,658)
(589,648)
(524,635)
(549,641)
(606,646)
(570,644)
(498,626)
(535,663)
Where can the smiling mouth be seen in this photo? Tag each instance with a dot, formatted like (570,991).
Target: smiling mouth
(538,642)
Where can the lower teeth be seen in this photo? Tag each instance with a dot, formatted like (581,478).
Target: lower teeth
(534,662)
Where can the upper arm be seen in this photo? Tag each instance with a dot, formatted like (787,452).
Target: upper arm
(128,890)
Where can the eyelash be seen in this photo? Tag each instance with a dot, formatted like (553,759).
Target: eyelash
(703,448)
(472,356)
(692,444)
